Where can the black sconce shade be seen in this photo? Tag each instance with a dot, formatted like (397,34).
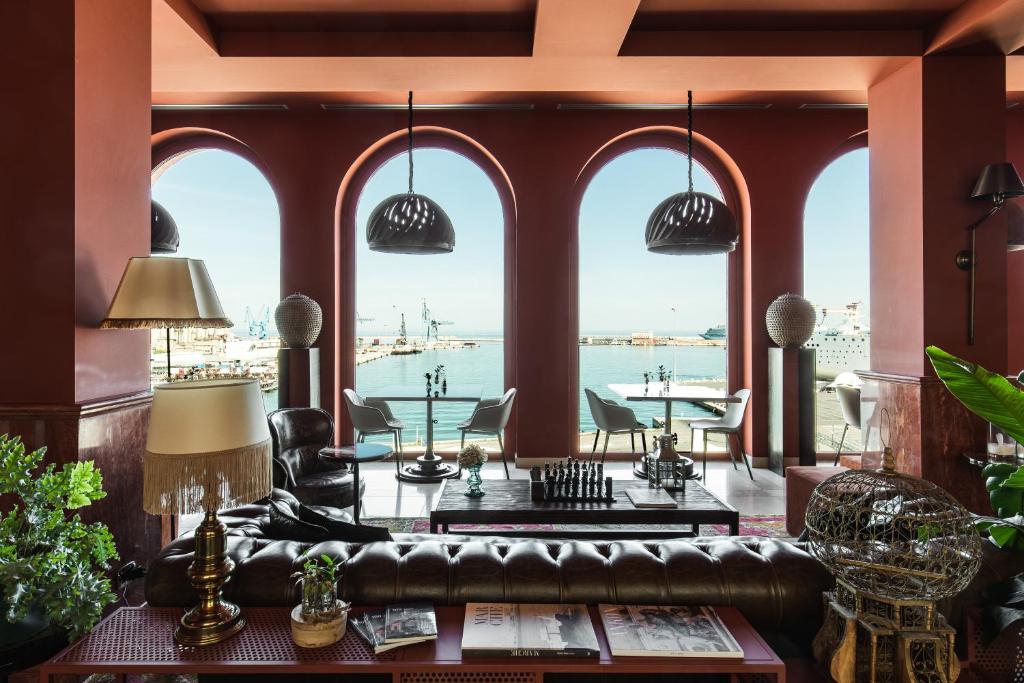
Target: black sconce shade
(998,182)
(163,231)
(410,223)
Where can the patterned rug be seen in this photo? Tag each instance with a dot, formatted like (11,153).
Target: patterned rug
(768,526)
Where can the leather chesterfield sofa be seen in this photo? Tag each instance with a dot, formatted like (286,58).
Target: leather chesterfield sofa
(776,584)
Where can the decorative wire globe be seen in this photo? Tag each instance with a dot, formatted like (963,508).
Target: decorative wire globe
(893,535)
(790,320)
(410,223)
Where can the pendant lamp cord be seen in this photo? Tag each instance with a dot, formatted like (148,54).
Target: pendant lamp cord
(689,139)
(410,142)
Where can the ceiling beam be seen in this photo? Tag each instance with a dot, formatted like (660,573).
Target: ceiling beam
(183,30)
(581,28)
(518,74)
(980,23)
(772,43)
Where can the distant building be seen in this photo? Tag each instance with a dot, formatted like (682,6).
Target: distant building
(642,339)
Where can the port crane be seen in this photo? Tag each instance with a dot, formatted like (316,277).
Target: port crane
(431,323)
(258,323)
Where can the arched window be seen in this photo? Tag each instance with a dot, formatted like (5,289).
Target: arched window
(451,305)
(837,281)
(227,215)
(642,312)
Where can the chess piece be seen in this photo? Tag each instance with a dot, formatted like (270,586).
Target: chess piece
(549,489)
(608,487)
(547,470)
(534,473)
(600,470)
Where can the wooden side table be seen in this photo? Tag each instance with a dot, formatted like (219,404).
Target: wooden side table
(136,640)
(353,455)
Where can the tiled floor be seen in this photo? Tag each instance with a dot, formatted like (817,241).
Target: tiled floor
(387,497)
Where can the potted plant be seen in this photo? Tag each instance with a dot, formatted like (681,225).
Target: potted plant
(52,564)
(319,589)
(992,397)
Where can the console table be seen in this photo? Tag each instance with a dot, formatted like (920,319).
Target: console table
(509,502)
(136,640)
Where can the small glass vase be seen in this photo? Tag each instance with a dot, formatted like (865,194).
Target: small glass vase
(474,482)
(319,598)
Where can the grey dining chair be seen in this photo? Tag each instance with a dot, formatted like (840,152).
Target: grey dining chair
(612,418)
(371,417)
(849,402)
(729,424)
(490,416)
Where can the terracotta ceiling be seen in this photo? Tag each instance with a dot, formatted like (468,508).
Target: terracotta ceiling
(551,52)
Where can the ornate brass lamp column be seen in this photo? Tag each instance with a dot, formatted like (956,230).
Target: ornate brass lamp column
(208,448)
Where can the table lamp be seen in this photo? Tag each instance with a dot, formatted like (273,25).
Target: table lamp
(208,448)
(157,292)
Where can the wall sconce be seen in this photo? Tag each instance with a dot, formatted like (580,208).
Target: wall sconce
(996,184)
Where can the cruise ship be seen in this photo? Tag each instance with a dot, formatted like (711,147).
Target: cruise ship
(842,348)
(714,333)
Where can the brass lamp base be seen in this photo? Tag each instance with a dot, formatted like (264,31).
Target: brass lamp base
(214,619)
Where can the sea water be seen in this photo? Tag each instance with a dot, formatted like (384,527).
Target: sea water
(483,366)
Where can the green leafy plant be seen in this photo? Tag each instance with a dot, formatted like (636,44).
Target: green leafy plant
(49,558)
(995,399)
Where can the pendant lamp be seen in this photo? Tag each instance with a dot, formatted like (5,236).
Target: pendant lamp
(410,223)
(691,222)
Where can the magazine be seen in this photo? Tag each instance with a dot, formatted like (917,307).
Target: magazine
(371,627)
(667,631)
(516,630)
(413,621)
(646,497)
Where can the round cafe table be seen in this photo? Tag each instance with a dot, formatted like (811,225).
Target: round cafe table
(353,455)
(428,467)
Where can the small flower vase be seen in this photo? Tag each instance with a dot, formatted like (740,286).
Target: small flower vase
(473,481)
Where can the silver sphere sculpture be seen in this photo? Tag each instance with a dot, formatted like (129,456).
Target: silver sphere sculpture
(790,320)
(299,320)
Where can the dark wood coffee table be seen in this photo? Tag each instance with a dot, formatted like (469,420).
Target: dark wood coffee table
(508,502)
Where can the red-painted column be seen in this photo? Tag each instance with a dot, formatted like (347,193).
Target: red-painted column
(74,192)
(1015,259)
(934,125)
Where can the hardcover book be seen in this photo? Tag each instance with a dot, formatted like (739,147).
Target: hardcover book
(517,630)
(667,631)
(646,497)
(412,621)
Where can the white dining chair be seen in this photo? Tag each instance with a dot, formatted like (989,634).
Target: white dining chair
(849,403)
(490,416)
(371,417)
(730,425)
(612,418)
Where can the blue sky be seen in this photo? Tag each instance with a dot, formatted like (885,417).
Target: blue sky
(227,215)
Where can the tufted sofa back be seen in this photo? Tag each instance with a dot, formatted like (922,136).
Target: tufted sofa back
(776,584)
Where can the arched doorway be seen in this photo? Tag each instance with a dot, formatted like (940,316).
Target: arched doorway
(837,280)
(227,215)
(418,313)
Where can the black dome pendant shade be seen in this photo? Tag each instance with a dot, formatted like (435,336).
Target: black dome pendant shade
(410,223)
(163,231)
(691,222)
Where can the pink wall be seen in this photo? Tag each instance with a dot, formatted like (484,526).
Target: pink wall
(307,153)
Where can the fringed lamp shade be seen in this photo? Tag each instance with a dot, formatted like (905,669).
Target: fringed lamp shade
(410,223)
(163,231)
(691,223)
(160,292)
(208,447)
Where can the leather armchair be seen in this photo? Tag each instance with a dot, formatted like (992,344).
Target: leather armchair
(298,434)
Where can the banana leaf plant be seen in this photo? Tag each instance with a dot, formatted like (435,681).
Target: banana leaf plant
(994,398)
